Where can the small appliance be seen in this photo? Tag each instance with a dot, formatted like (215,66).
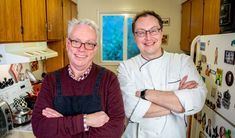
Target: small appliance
(6,121)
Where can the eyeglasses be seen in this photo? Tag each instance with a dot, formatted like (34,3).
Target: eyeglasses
(78,44)
(153,31)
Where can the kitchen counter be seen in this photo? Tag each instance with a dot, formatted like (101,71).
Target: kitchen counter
(24,131)
(20,134)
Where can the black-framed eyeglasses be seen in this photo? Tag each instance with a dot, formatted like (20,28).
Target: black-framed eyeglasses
(78,44)
(153,31)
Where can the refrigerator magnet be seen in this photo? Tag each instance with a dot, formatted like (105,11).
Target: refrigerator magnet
(219,74)
(215,132)
(229,78)
(216,56)
(226,99)
(213,72)
(203,58)
(203,121)
(199,66)
(202,46)
(218,101)
(208,70)
(233,43)
(209,127)
(229,57)
(213,92)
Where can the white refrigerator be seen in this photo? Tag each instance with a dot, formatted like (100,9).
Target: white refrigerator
(214,57)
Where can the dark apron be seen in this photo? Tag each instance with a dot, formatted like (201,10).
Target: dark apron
(74,105)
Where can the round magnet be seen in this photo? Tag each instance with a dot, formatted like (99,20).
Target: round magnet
(229,78)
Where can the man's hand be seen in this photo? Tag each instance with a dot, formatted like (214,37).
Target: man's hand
(97,119)
(188,84)
(51,113)
(183,85)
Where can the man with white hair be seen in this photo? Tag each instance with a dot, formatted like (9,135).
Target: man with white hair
(83,99)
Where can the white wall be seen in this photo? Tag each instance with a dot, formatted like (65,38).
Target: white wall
(166,8)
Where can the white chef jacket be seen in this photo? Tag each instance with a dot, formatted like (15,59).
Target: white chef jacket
(163,73)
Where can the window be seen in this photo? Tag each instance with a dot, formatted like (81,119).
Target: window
(117,40)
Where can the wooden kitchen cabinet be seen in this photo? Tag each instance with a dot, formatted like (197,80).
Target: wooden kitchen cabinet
(191,22)
(198,17)
(34,20)
(74,10)
(30,20)
(185,26)
(55,63)
(10,21)
(69,12)
(211,17)
(54,20)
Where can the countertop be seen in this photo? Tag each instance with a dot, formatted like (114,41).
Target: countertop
(21,132)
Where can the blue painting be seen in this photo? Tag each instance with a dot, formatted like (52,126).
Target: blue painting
(112,38)
(132,49)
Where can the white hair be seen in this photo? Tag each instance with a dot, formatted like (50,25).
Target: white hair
(88,22)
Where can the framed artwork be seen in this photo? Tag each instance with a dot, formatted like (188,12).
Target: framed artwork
(166,21)
(117,40)
(165,39)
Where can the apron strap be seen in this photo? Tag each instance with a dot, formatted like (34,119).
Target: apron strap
(97,83)
(58,83)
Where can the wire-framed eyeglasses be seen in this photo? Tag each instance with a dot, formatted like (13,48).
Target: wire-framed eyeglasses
(153,31)
(78,44)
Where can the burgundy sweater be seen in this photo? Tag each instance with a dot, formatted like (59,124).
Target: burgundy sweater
(72,126)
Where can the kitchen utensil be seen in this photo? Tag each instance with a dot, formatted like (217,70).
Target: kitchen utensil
(36,88)
(22,115)
(30,75)
(16,70)
(30,99)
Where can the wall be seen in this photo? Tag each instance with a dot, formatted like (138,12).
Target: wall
(166,8)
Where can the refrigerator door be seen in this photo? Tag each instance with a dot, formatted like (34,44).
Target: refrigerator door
(215,61)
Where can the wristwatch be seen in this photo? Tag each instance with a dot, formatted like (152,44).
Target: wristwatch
(142,94)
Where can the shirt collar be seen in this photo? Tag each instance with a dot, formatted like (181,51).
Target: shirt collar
(82,77)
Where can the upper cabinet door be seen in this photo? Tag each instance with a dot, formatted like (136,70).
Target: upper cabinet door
(66,16)
(54,20)
(185,26)
(196,19)
(10,21)
(211,17)
(34,20)
(74,10)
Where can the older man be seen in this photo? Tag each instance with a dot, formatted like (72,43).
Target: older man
(82,99)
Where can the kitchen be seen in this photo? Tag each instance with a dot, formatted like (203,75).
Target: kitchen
(179,36)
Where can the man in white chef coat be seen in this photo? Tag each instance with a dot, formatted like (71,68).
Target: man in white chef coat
(157,86)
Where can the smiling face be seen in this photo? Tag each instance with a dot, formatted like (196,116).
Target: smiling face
(81,58)
(149,45)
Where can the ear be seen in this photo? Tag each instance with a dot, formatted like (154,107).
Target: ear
(67,43)
(96,47)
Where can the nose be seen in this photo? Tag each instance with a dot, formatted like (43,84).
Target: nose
(147,35)
(82,47)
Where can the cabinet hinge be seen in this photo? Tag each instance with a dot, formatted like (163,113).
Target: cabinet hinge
(22,30)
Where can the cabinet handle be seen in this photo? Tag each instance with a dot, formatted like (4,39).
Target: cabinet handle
(22,30)
(49,28)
